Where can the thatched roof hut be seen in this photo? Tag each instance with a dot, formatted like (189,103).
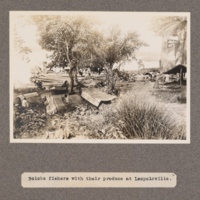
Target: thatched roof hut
(176,69)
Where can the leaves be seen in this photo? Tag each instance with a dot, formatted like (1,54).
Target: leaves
(75,37)
(70,37)
(119,48)
(168,27)
(20,47)
(67,37)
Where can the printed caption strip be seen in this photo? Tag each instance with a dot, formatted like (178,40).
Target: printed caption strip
(98,180)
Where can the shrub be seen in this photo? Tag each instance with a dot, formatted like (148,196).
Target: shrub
(139,117)
(181,98)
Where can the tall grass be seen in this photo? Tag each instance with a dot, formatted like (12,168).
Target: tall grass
(133,116)
(140,117)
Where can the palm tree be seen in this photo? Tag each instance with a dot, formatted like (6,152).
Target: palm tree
(173,29)
(118,48)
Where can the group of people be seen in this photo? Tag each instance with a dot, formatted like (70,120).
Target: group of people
(73,72)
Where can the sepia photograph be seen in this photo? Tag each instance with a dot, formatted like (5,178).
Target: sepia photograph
(99,77)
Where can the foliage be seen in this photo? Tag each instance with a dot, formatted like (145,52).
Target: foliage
(74,37)
(20,47)
(168,27)
(140,118)
(117,49)
(137,117)
(147,70)
(140,64)
(67,38)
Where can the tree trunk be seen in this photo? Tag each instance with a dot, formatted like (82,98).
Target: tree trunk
(110,85)
(111,79)
(181,49)
(181,76)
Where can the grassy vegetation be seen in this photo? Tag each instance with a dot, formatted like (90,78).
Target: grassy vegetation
(139,112)
(139,117)
(135,116)
(170,95)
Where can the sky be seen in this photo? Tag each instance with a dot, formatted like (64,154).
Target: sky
(126,21)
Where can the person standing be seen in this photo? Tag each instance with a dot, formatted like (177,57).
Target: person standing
(72,75)
(39,84)
(24,103)
(65,85)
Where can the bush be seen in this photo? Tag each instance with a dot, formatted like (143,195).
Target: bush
(181,98)
(139,117)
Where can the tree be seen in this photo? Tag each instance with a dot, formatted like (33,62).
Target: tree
(174,33)
(117,48)
(74,37)
(19,44)
(174,49)
(66,37)
(140,64)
